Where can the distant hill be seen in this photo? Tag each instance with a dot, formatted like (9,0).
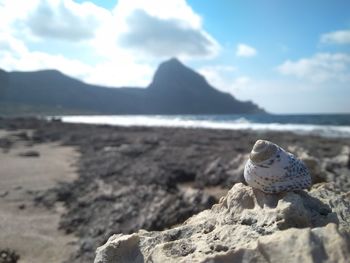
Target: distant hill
(175,89)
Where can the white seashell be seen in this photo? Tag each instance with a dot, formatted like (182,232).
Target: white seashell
(273,170)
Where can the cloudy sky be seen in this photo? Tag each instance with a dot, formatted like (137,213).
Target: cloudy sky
(288,56)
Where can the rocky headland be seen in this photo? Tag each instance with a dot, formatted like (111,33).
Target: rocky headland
(174,89)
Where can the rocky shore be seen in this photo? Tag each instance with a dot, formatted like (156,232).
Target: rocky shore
(248,226)
(157,178)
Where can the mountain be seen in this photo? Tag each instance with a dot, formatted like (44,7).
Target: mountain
(182,90)
(175,89)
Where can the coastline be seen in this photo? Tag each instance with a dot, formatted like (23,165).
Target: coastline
(333,126)
(152,178)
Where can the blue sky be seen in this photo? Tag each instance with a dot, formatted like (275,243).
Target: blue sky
(287,56)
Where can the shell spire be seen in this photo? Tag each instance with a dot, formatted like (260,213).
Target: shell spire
(262,150)
(273,170)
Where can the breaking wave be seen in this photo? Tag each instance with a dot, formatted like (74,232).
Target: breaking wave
(212,122)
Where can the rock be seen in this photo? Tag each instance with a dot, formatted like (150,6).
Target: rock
(4,193)
(236,169)
(195,196)
(329,169)
(22,136)
(337,201)
(30,154)
(5,144)
(226,172)
(337,168)
(121,248)
(341,160)
(313,164)
(324,244)
(215,172)
(8,256)
(246,226)
(22,206)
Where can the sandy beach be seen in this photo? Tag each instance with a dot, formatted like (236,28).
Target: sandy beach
(25,170)
(66,188)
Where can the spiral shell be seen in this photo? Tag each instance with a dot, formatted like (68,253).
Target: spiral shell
(273,170)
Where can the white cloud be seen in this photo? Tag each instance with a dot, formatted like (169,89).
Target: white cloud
(104,73)
(225,78)
(218,68)
(166,37)
(9,44)
(241,81)
(297,96)
(16,56)
(128,74)
(319,68)
(170,9)
(159,28)
(336,37)
(65,19)
(214,77)
(32,36)
(243,50)
(58,19)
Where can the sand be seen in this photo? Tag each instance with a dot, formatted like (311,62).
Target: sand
(30,230)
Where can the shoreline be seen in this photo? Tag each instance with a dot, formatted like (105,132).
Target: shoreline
(328,129)
(202,122)
(133,178)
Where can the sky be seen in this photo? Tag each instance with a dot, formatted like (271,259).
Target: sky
(290,56)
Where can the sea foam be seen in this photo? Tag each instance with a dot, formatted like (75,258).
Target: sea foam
(211,123)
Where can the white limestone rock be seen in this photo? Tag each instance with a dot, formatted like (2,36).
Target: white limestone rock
(248,226)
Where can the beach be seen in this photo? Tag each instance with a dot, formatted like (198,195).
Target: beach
(27,169)
(68,187)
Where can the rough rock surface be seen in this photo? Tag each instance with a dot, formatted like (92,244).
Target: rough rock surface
(327,169)
(8,256)
(248,226)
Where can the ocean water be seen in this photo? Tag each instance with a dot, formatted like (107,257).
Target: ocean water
(327,125)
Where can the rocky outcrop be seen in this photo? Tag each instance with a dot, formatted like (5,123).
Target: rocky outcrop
(248,226)
(338,168)
(224,170)
(334,169)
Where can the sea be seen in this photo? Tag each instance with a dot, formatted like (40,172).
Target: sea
(326,125)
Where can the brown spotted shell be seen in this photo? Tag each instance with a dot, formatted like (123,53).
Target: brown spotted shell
(271,169)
